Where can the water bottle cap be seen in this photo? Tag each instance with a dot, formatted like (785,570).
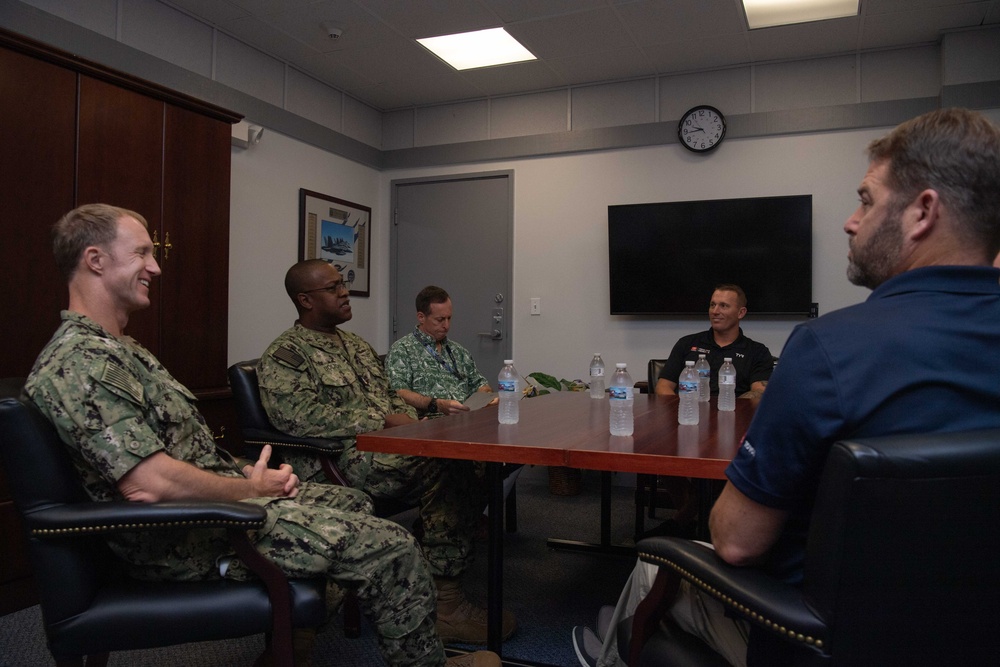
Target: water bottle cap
(508,362)
(619,365)
(597,354)
(689,363)
(701,356)
(727,358)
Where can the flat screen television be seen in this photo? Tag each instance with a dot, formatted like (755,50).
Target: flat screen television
(665,258)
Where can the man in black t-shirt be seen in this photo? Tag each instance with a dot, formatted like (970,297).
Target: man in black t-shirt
(753,361)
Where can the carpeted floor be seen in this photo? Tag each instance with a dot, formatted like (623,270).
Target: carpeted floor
(549,591)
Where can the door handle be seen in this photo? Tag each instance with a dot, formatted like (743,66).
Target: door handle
(497,327)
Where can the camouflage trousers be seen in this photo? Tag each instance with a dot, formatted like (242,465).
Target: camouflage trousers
(329,531)
(450,494)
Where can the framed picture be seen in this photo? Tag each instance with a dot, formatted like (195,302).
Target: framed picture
(339,232)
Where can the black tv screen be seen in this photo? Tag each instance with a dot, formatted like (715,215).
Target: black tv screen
(665,258)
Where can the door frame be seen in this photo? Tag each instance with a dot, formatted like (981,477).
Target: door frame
(394,184)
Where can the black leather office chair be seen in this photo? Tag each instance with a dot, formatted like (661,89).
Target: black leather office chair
(900,565)
(90,606)
(258,431)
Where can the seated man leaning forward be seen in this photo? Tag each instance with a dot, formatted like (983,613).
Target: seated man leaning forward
(753,361)
(134,433)
(317,380)
(923,238)
(428,370)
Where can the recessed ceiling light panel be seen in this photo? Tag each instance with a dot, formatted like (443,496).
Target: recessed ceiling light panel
(768,13)
(481,48)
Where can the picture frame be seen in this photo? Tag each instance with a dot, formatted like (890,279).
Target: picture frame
(339,232)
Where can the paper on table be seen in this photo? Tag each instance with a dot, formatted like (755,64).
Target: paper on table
(479,399)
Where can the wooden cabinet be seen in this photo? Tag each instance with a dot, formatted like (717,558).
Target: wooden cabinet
(73,132)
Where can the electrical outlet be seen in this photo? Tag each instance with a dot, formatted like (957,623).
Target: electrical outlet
(536,305)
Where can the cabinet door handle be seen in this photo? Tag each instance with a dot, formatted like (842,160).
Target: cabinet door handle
(156,244)
(167,245)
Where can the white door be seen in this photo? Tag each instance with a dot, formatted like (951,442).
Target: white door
(456,232)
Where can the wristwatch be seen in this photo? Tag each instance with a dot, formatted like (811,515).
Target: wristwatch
(433,405)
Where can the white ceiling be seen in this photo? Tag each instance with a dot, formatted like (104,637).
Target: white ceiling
(378,61)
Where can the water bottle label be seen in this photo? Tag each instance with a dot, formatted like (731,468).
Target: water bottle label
(618,392)
(705,373)
(596,372)
(507,385)
(688,387)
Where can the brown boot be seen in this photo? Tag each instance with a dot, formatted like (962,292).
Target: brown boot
(458,621)
(303,640)
(477,659)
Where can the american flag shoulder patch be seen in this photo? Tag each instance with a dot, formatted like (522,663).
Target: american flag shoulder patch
(116,376)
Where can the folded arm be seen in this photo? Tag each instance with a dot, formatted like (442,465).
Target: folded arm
(160,477)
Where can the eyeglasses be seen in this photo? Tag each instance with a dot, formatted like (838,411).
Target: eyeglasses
(335,288)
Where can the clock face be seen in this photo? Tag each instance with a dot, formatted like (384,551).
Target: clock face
(701,129)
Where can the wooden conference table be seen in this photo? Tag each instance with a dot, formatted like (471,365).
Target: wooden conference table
(570,429)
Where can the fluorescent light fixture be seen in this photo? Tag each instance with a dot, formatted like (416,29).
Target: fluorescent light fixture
(767,13)
(480,48)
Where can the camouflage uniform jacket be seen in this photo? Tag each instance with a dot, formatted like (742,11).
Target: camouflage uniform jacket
(114,404)
(413,363)
(311,386)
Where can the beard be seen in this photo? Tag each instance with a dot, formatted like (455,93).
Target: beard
(873,263)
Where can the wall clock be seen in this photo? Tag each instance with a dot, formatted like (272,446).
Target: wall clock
(701,128)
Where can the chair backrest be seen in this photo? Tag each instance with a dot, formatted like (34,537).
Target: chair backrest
(901,556)
(246,392)
(68,572)
(653,373)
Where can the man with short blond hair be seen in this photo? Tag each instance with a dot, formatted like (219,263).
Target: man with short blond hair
(134,433)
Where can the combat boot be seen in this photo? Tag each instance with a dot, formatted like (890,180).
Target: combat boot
(477,659)
(303,640)
(458,620)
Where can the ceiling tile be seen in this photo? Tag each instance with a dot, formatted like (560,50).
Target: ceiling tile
(805,40)
(655,22)
(572,35)
(606,66)
(917,27)
(685,56)
(430,18)
(511,11)
(515,78)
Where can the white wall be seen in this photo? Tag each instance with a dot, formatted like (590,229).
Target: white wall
(264,233)
(560,237)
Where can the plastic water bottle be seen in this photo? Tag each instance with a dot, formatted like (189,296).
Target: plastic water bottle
(704,379)
(687,389)
(597,376)
(509,388)
(622,400)
(727,386)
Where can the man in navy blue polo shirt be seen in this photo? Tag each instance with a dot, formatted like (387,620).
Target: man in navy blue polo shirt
(753,361)
(918,356)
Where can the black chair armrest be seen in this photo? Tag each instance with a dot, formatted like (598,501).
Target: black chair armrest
(279,440)
(117,517)
(745,591)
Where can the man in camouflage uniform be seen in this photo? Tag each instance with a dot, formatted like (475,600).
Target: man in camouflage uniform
(430,372)
(317,380)
(133,433)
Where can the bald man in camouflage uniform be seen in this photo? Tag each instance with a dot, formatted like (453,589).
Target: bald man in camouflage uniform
(134,434)
(317,380)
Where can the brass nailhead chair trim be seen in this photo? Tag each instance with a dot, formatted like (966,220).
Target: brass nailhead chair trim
(122,527)
(727,600)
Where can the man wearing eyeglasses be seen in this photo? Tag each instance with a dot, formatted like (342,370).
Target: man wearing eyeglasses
(317,380)
(431,372)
